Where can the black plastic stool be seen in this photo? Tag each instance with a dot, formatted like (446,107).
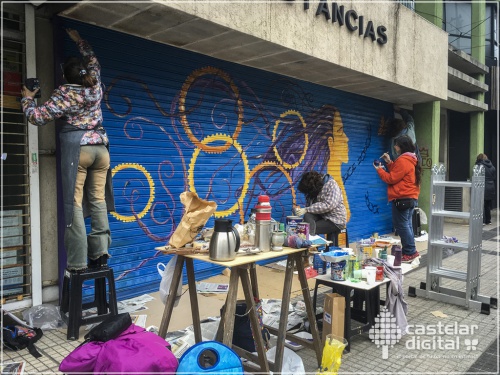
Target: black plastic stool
(71,303)
(334,237)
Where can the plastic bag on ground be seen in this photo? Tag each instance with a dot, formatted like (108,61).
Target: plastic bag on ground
(423,216)
(43,316)
(167,272)
(292,363)
(332,355)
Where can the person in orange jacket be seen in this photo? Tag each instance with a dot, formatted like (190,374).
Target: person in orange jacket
(403,177)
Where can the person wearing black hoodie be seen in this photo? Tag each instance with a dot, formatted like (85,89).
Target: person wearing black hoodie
(490,190)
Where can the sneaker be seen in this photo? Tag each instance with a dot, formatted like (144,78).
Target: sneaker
(410,258)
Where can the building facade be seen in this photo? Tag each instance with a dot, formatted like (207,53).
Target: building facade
(230,100)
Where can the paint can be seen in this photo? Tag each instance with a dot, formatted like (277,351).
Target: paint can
(303,230)
(337,270)
(291,224)
(210,357)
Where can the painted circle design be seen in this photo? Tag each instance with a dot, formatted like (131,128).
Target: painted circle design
(140,168)
(306,140)
(182,107)
(270,164)
(237,146)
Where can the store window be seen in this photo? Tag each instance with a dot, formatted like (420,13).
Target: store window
(458,25)
(491,32)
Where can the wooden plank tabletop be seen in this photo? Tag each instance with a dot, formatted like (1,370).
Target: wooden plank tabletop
(242,259)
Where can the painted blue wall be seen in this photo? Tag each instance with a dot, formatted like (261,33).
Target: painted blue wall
(178,120)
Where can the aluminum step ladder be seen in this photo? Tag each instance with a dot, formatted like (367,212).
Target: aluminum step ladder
(432,288)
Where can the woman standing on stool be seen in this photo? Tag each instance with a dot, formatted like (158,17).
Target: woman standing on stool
(403,188)
(85,161)
(325,211)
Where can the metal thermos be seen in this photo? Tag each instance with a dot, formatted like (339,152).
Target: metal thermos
(263,224)
(225,241)
(263,235)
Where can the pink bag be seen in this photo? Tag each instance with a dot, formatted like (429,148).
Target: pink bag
(135,350)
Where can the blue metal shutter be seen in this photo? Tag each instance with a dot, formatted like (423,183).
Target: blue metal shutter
(179,120)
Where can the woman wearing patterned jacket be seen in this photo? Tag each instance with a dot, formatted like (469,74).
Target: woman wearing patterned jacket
(85,160)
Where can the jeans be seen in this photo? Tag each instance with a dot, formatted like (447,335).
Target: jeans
(401,221)
(488,204)
(91,179)
(319,225)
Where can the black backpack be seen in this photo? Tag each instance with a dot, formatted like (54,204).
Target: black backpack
(16,335)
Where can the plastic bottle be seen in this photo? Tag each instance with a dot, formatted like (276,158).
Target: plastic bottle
(398,255)
(383,253)
(251,227)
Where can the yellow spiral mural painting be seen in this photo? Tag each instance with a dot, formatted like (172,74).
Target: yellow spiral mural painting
(182,107)
(140,168)
(306,140)
(237,146)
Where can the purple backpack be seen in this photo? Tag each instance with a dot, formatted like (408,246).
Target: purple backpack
(135,350)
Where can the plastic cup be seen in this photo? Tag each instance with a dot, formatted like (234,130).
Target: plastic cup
(390,260)
(371,273)
(358,274)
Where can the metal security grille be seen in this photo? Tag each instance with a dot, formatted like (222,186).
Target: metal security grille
(181,121)
(15,210)
(453,198)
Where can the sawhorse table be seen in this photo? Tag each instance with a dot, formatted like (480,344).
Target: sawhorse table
(244,268)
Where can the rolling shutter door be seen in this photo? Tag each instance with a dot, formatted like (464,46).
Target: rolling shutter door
(181,121)
(15,223)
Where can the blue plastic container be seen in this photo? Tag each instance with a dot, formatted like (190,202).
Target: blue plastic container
(319,265)
(210,357)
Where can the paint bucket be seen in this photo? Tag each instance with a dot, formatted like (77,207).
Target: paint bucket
(210,357)
(337,270)
(291,224)
(303,230)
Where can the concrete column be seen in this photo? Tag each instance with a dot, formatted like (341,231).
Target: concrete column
(427,127)
(34,176)
(427,115)
(431,11)
(478,30)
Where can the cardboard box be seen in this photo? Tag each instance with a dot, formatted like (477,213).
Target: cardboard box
(12,224)
(10,256)
(333,315)
(12,275)
(12,280)
(12,290)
